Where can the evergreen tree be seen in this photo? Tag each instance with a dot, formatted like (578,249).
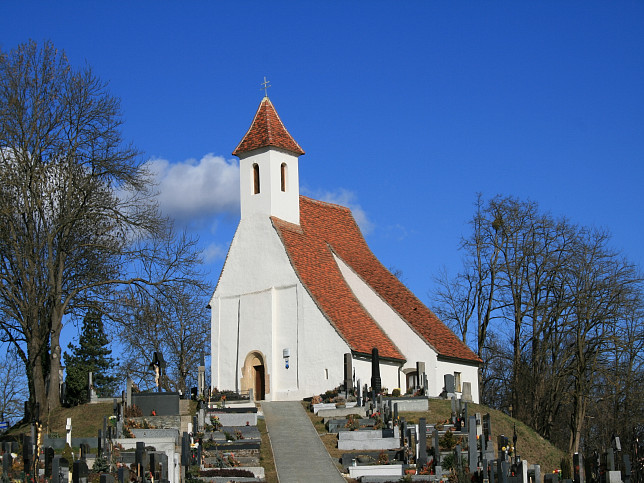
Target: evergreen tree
(91,355)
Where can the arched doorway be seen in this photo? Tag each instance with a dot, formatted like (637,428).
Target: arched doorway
(254,376)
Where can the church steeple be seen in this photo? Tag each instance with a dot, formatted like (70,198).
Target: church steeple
(266,130)
(269,179)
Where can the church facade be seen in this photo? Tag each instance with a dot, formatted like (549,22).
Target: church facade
(301,301)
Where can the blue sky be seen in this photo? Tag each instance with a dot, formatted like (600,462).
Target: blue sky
(405,109)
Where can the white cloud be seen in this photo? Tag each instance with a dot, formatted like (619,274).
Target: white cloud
(214,252)
(348,198)
(193,190)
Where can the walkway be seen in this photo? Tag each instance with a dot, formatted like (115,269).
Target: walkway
(300,455)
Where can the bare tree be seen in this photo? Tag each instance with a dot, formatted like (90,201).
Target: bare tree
(172,320)
(13,390)
(75,206)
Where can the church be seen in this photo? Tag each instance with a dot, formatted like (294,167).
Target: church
(301,301)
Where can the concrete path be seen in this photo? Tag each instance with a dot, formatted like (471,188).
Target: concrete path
(300,455)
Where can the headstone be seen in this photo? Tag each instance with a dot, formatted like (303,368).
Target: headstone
(537,473)
(68,433)
(80,472)
(396,413)
(471,445)
(422,443)
(466,394)
(457,456)
(348,372)
(610,460)
(453,399)
(449,384)
(578,467)
(106,478)
(550,478)
(425,385)
(627,473)
(523,471)
(7,461)
(60,470)
(140,457)
(185,450)
(437,451)
(123,474)
(466,420)
(358,394)
(100,448)
(27,453)
(201,377)
(375,371)
(84,450)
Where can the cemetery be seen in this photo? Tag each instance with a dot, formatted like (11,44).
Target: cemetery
(372,436)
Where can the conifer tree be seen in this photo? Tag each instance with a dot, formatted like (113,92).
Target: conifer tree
(91,355)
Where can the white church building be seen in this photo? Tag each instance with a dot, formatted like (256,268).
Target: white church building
(301,296)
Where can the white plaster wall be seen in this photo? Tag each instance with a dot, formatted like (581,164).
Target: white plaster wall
(389,373)
(259,294)
(468,374)
(408,342)
(270,200)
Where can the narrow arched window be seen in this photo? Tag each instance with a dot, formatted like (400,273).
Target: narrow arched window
(283,172)
(255,178)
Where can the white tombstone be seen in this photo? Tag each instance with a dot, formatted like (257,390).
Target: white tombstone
(68,428)
(466,395)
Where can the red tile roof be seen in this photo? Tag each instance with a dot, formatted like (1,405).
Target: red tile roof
(325,229)
(266,130)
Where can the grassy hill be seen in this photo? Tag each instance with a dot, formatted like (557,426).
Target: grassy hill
(87,419)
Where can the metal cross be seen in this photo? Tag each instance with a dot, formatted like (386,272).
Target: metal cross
(265,85)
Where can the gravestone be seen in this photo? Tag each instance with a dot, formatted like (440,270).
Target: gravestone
(185,450)
(141,457)
(466,394)
(627,473)
(201,377)
(80,472)
(358,394)
(27,453)
(610,460)
(123,474)
(84,451)
(348,372)
(471,445)
(449,384)
(437,451)
(395,413)
(550,478)
(106,478)
(59,470)
(376,383)
(422,442)
(7,462)
(49,458)
(128,392)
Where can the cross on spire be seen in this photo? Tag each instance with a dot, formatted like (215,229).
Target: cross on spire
(265,86)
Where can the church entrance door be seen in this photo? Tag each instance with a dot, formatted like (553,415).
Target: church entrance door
(259,382)
(254,376)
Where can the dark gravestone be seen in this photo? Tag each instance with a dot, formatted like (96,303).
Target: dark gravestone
(437,451)
(123,474)
(99,450)
(627,472)
(395,413)
(457,456)
(80,472)
(610,460)
(550,478)
(106,478)
(140,457)
(7,461)
(60,470)
(376,383)
(578,467)
(348,372)
(449,383)
(27,453)
(466,420)
(471,445)
(422,443)
(185,450)
(84,451)
(49,459)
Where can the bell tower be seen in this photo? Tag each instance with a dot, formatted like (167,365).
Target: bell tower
(268,163)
